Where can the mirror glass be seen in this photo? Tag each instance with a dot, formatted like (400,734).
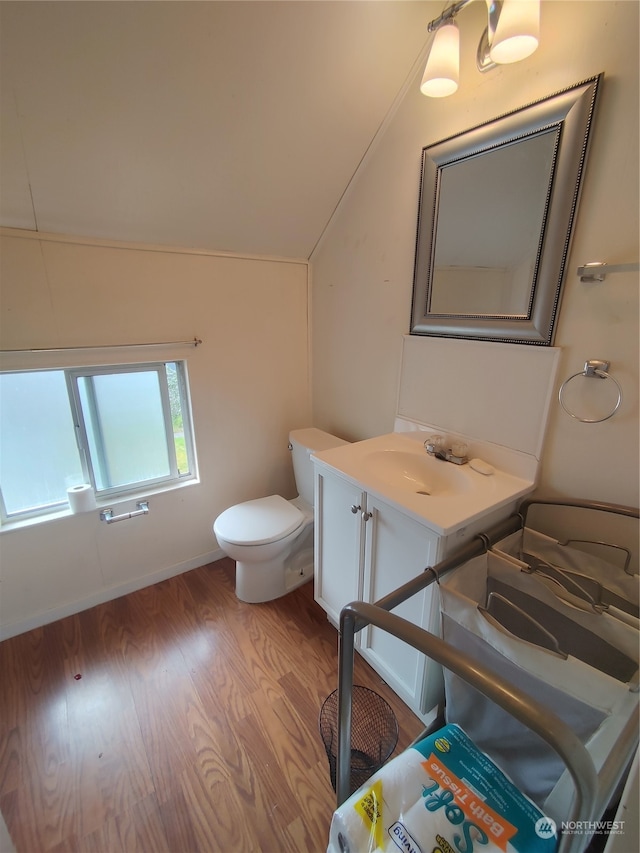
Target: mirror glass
(481,275)
(497,205)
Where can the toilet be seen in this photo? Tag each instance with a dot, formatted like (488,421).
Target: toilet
(271,539)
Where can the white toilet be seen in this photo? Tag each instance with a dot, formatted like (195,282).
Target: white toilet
(271,539)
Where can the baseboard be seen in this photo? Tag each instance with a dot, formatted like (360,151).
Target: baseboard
(101,596)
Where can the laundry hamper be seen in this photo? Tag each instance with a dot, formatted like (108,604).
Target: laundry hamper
(578,576)
(580,662)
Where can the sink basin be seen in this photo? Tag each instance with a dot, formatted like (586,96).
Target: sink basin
(396,468)
(419,473)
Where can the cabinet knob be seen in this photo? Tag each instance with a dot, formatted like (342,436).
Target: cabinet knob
(355,509)
(367,515)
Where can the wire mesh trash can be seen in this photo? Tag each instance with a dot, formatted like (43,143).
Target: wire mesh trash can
(374,734)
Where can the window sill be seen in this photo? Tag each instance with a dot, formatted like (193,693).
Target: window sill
(101,504)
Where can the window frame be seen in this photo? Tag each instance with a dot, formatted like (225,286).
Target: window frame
(73,377)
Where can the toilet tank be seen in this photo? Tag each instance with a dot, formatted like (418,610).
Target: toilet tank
(303,443)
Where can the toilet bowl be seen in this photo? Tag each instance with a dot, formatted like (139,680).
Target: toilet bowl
(271,538)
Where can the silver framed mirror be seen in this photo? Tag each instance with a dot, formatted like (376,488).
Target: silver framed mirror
(495,219)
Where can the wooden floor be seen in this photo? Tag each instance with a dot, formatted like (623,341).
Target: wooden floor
(174,719)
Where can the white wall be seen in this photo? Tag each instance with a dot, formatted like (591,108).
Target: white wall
(249,386)
(250,381)
(363,268)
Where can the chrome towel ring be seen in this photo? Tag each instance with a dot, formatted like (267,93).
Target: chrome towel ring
(599,369)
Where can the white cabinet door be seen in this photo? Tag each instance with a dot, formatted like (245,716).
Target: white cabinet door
(364,549)
(338,543)
(398,549)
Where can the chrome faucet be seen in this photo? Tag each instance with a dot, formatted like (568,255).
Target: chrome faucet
(436,445)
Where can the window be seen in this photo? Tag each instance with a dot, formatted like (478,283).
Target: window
(122,429)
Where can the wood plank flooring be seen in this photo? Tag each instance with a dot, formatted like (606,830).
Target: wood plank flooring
(174,719)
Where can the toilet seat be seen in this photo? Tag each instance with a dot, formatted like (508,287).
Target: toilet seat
(259,522)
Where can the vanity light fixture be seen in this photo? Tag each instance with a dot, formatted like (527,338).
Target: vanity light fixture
(517,32)
(443,65)
(512,34)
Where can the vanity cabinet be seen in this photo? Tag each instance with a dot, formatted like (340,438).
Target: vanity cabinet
(385,510)
(366,548)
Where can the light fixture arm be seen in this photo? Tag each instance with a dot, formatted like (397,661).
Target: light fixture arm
(449,13)
(483,61)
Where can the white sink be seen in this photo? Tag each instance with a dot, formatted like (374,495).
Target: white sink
(445,496)
(417,472)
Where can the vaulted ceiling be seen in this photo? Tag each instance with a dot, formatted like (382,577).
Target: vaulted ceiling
(232,126)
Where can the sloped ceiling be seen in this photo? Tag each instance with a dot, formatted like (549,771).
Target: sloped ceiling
(232,126)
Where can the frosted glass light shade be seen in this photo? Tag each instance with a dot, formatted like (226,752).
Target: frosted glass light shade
(443,65)
(518,31)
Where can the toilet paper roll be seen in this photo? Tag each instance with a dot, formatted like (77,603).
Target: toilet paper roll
(81,498)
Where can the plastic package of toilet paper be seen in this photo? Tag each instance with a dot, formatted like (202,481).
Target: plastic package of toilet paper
(442,795)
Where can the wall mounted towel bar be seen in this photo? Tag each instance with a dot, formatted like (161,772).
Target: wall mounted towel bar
(597,271)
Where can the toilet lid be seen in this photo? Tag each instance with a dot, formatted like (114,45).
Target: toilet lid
(258,522)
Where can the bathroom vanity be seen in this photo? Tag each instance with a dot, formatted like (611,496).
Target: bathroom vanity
(384,511)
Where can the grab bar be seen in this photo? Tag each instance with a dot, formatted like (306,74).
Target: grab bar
(524,708)
(592,790)
(142,508)
(600,506)
(477,546)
